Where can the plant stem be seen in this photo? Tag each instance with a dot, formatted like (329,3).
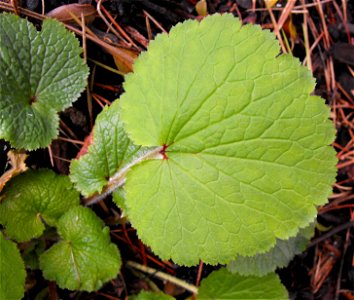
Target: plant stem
(189,287)
(118,179)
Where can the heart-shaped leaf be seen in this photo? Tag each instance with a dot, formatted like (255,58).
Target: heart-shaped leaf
(85,258)
(41,73)
(246,147)
(33,199)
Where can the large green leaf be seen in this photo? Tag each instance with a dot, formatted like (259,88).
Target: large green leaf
(34,198)
(41,73)
(223,285)
(12,270)
(247,146)
(110,150)
(85,258)
(279,256)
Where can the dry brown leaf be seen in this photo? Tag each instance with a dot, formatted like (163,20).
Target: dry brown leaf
(17,162)
(68,13)
(202,8)
(124,59)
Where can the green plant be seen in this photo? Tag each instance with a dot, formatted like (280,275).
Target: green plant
(216,152)
(41,73)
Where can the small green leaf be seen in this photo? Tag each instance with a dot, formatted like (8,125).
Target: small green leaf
(224,285)
(247,150)
(111,149)
(41,73)
(277,257)
(35,198)
(12,270)
(145,295)
(85,258)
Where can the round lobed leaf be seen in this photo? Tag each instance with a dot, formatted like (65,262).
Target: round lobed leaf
(224,285)
(34,198)
(246,145)
(85,258)
(41,73)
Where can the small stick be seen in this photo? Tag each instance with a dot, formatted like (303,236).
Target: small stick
(14,4)
(154,21)
(70,140)
(276,30)
(128,39)
(50,152)
(189,287)
(200,270)
(330,233)
(285,13)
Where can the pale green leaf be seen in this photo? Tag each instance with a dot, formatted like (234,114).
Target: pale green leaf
(224,285)
(12,270)
(145,295)
(41,73)
(111,148)
(85,258)
(33,199)
(247,146)
(278,256)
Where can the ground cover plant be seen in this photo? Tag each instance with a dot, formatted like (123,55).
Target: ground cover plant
(199,155)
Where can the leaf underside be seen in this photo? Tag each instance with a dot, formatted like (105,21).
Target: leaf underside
(277,257)
(85,258)
(110,149)
(41,73)
(224,285)
(247,146)
(33,199)
(12,274)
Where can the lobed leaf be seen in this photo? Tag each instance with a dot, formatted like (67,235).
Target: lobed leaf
(110,150)
(247,146)
(85,258)
(12,274)
(33,199)
(277,257)
(224,285)
(41,73)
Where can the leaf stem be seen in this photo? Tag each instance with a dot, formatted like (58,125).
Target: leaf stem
(118,179)
(189,287)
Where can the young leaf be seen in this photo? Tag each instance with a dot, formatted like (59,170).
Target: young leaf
(111,148)
(13,274)
(85,258)
(246,145)
(278,256)
(34,198)
(144,295)
(41,73)
(224,285)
